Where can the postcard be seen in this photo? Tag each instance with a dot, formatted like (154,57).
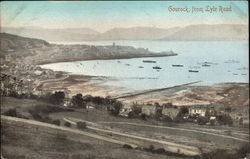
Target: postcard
(124,80)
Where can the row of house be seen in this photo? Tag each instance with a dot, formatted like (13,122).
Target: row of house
(239,115)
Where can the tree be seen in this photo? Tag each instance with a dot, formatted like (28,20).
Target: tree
(67,124)
(57,98)
(202,120)
(115,108)
(11,112)
(136,111)
(182,112)
(77,101)
(81,125)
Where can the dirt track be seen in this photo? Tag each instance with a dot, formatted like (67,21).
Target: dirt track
(170,146)
(32,122)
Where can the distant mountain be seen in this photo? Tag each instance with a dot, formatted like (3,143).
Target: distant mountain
(66,35)
(192,32)
(210,32)
(136,33)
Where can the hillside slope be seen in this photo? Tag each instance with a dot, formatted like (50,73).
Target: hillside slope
(210,32)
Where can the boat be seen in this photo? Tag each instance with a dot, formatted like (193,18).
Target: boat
(232,61)
(177,65)
(156,67)
(205,65)
(193,71)
(127,64)
(140,67)
(149,61)
(194,67)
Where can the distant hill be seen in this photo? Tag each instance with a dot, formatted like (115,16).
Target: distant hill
(12,43)
(210,32)
(67,35)
(136,33)
(192,32)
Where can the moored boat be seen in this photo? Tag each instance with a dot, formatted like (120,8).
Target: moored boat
(177,65)
(193,71)
(149,61)
(156,67)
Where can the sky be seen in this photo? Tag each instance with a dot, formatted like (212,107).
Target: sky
(105,15)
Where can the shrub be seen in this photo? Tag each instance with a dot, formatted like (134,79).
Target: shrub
(77,101)
(144,116)
(56,98)
(11,112)
(202,120)
(127,146)
(81,125)
(115,108)
(67,124)
(225,119)
(56,122)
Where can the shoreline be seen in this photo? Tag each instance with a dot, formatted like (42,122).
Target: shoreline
(184,94)
(103,58)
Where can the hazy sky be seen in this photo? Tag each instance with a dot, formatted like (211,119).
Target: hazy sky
(102,16)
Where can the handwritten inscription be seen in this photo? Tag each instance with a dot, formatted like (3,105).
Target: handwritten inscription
(205,9)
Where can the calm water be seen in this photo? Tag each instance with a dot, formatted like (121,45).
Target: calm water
(128,75)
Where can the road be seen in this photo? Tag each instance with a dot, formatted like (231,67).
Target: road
(181,129)
(169,146)
(37,123)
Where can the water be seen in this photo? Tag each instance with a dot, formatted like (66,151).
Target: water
(191,56)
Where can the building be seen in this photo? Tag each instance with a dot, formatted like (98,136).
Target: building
(171,112)
(197,110)
(126,109)
(149,110)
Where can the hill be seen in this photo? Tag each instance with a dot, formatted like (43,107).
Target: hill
(136,33)
(67,35)
(192,32)
(13,43)
(210,32)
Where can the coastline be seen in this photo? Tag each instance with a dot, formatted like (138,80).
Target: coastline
(183,95)
(102,58)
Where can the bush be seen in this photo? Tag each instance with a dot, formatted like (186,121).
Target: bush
(115,108)
(202,120)
(77,101)
(127,146)
(144,116)
(56,122)
(56,98)
(11,112)
(81,125)
(67,124)
(225,120)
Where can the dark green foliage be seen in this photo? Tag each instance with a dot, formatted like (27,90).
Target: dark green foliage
(115,108)
(56,98)
(127,146)
(144,116)
(183,111)
(77,101)
(225,119)
(202,120)
(56,122)
(81,125)
(67,124)
(136,111)
(11,112)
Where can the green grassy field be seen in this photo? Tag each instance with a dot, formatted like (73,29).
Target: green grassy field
(24,141)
